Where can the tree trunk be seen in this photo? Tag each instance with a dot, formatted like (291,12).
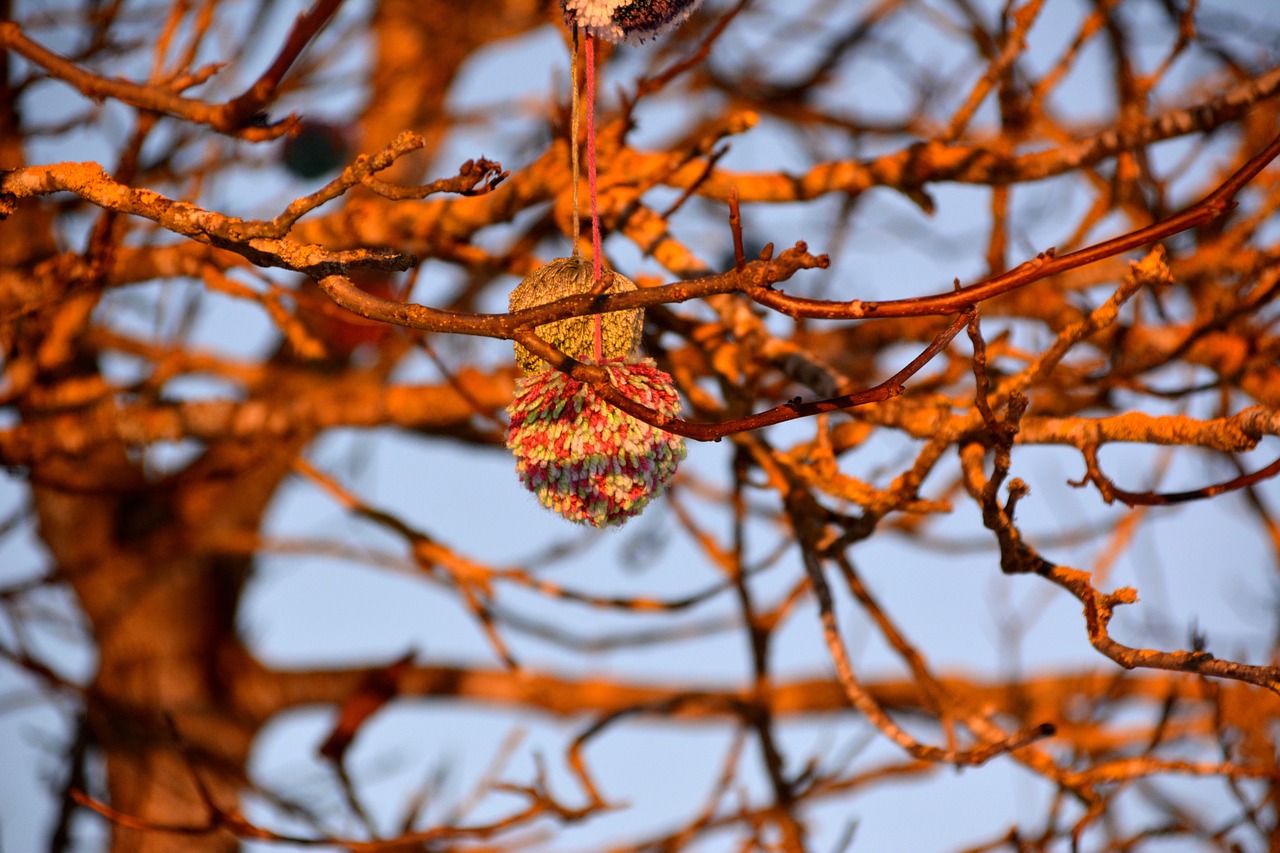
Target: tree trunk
(160,601)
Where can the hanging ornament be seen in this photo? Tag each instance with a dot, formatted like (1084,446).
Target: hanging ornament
(627,20)
(586,460)
(618,331)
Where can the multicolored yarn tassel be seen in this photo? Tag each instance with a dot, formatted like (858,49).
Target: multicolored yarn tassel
(583,458)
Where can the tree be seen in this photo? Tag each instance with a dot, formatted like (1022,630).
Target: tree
(238,282)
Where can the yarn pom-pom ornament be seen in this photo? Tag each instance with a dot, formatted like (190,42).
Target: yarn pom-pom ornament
(627,20)
(620,330)
(583,458)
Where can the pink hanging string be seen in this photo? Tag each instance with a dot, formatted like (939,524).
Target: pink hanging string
(596,262)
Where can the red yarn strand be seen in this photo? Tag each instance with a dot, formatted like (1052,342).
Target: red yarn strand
(591,154)
(597,270)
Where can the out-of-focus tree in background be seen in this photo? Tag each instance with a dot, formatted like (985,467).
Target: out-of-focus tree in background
(1011,365)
